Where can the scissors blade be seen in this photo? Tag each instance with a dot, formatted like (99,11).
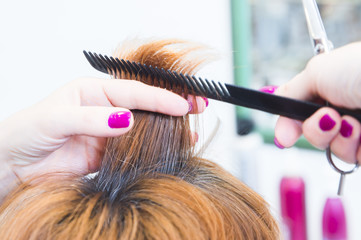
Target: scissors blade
(316,29)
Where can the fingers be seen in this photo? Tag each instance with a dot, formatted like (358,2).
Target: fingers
(347,142)
(327,128)
(197,104)
(132,94)
(287,132)
(96,107)
(322,127)
(91,121)
(300,87)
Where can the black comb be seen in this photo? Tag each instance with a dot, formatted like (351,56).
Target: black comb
(171,80)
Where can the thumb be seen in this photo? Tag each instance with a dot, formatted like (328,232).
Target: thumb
(88,120)
(300,87)
(287,131)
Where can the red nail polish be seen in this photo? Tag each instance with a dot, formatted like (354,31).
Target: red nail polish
(268,89)
(206,100)
(326,123)
(346,129)
(119,119)
(278,144)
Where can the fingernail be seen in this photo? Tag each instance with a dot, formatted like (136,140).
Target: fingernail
(206,100)
(279,145)
(190,105)
(119,119)
(268,89)
(346,129)
(326,123)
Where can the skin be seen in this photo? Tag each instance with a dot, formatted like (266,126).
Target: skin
(67,130)
(336,78)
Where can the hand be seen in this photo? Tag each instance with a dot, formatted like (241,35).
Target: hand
(67,131)
(336,78)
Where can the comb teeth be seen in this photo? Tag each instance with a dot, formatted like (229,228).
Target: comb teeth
(159,77)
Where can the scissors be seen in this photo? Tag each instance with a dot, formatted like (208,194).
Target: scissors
(321,44)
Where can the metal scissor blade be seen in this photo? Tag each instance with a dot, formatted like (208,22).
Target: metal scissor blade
(316,29)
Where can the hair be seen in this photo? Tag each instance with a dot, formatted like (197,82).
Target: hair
(150,185)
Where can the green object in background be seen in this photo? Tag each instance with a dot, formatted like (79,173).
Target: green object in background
(242,61)
(241,41)
(268,137)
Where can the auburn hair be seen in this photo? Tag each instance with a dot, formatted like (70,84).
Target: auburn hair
(150,185)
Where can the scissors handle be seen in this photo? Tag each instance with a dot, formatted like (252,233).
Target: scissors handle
(342,173)
(340,184)
(321,44)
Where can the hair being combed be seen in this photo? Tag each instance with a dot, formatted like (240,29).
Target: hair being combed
(150,185)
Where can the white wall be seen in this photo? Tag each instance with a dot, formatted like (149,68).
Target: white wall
(41,47)
(42,41)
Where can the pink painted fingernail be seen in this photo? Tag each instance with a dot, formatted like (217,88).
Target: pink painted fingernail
(190,105)
(326,123)
(268,89)
(206,100)
(119,119)
(346,129)
(278,144)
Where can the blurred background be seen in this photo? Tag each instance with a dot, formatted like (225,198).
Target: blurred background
(258,42)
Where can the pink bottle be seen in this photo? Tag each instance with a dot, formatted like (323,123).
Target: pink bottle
(293,207)
(334,220)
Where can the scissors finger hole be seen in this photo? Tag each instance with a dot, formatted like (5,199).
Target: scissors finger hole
(340,163)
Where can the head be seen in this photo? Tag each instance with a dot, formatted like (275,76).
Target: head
(150,185)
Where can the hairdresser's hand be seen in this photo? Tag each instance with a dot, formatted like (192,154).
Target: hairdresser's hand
(67,130)
(335,77)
